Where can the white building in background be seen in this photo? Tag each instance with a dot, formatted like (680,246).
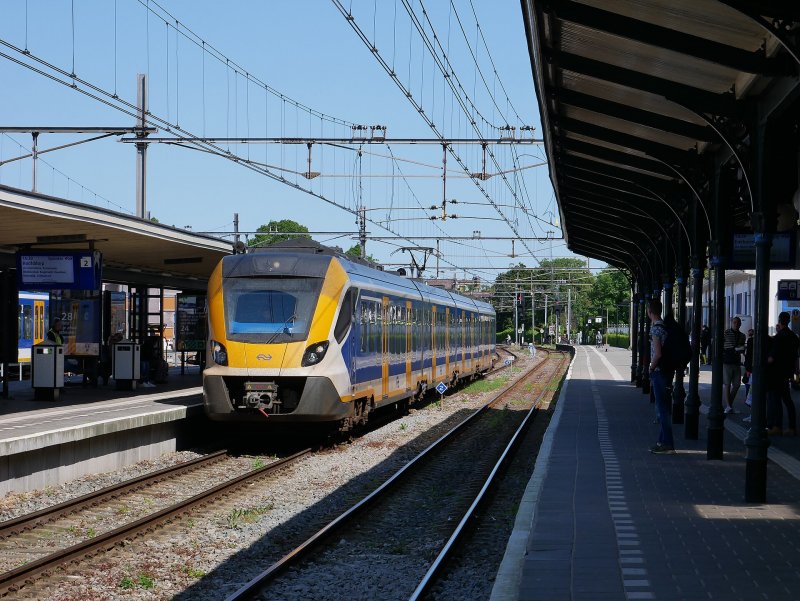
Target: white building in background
(740,288)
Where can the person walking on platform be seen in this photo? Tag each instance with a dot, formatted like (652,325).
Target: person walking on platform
(732,349)
(705,342)
(747,378)
(780,370)
(54,333)
(659,378)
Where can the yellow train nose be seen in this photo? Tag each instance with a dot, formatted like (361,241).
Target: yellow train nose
(264,356)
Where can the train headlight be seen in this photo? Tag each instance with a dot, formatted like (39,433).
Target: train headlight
(218,353)
(314,353)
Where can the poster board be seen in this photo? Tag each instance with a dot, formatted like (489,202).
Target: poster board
(190,322)
(79,311)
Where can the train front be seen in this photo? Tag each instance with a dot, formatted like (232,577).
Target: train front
(271,355)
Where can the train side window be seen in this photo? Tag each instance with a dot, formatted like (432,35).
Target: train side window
(345,315)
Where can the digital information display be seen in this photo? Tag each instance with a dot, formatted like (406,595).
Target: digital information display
(190,322)
(781,255)
(59,270)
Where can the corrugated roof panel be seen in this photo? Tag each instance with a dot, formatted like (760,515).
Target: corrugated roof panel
(647,133)
(625,95)
(604,144)
(620,165)
(654,61)
(708,19)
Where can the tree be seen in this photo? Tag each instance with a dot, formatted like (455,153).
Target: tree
(610,292)
(611,288)
(355,252)
(551,279)
(272,232)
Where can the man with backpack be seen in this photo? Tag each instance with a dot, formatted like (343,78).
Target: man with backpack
(660,375)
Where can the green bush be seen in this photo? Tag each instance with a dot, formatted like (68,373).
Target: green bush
(619,340)
(501,336)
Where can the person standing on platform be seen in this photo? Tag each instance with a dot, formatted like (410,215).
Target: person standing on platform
(780,370)
(659,378)
(705,342)
(54,333)
(733,346)
(147,356)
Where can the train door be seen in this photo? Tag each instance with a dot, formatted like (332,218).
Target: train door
(472,342)
(409,316)
(462,325)
(356,336)
(481,339)
(434,342)
(447,342)
(385,347)
(38,321)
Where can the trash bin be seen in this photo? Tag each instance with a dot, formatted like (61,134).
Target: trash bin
(126,361)
(47,370)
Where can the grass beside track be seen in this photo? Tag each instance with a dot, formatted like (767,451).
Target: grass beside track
(479,386)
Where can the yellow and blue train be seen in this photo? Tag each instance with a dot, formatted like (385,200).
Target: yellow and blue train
(32,322)
(299,332)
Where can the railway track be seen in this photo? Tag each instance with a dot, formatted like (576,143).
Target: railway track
(18,537)
(30,538)
(384,528)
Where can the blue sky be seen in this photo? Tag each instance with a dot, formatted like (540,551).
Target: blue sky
(307,51)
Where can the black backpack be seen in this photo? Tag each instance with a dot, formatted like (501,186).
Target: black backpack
(676,351)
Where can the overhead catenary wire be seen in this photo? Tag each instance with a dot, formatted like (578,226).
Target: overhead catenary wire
(354,25)
(179,28)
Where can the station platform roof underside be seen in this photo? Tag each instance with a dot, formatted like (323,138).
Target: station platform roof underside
(135,251)
(642,100)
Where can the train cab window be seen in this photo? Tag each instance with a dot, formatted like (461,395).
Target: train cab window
(345,315)
(270,310)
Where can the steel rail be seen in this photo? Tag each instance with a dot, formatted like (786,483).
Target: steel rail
(430,576)
(251,588)
(54,512)
(15,579)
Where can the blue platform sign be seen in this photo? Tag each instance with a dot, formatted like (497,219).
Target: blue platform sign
(59,270)
(441,387)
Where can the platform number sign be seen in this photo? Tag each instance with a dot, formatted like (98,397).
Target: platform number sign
(441,387)
(86,262)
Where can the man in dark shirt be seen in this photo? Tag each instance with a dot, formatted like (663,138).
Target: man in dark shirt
(780,369)
(733,348)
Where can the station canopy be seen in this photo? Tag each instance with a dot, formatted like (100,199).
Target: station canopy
(135,251)
(633,96)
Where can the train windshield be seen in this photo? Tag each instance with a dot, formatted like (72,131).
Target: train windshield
(270,310)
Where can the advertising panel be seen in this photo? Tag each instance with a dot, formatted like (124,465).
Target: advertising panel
(190,322)
(118,314)
(79,311)
(59,270)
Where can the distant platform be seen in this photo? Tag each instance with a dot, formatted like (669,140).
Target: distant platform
(44,443)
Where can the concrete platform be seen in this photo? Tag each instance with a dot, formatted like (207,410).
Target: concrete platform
(604,519)
(91,430)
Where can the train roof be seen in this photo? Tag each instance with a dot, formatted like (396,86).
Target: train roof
(307,257)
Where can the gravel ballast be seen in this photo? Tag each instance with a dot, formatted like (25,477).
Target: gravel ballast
(212,553)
